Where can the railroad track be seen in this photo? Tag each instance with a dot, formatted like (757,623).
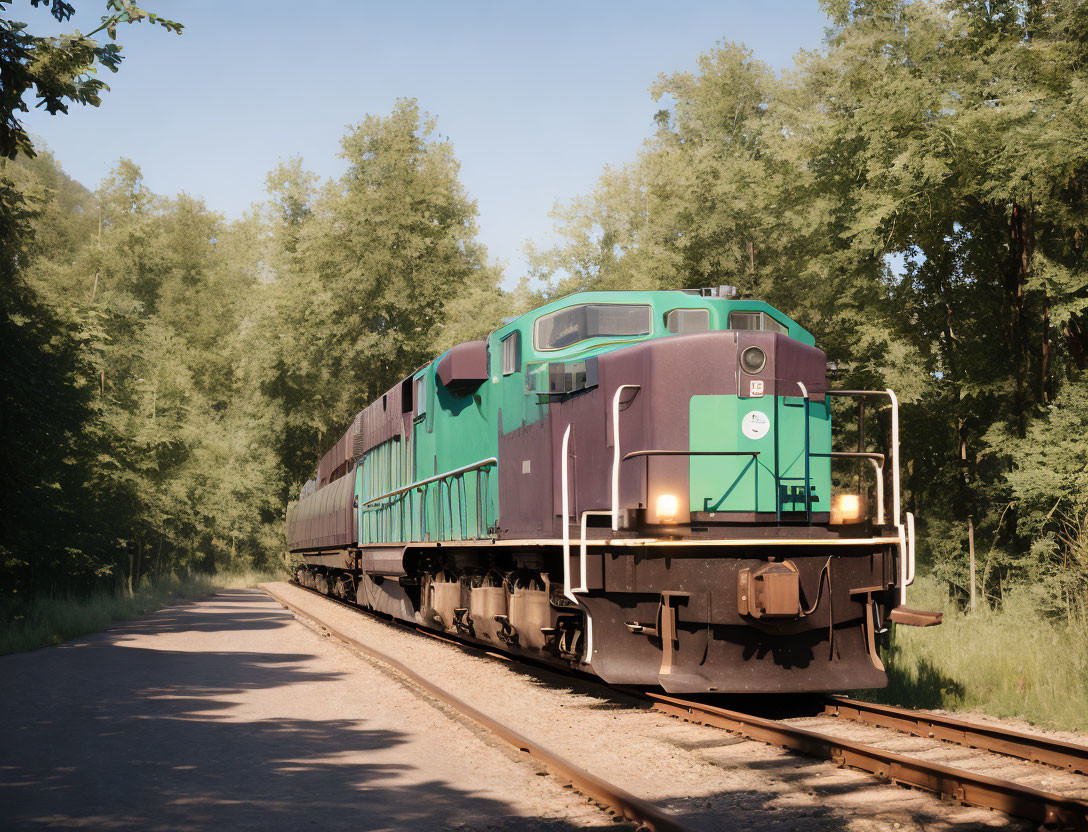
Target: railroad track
(1040,806)
(952,783)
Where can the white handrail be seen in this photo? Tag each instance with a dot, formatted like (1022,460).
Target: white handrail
(910,548)
(895,456)
(878,470)
(896,507)
(616,452)
(564,491)
(568,592)
(582,555)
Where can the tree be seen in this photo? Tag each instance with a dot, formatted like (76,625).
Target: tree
(914,194)
(60,70)
(368,268)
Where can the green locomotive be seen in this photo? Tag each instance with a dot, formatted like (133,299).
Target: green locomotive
(636,484)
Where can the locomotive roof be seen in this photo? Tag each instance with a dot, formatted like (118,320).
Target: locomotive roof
(662,302)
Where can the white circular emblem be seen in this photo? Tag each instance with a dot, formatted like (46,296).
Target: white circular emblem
(755,424)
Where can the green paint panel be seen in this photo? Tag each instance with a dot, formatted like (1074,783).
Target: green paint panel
(773,428)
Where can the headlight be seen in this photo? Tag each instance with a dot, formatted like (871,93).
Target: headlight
(666,508)
(753,359)
(846,508)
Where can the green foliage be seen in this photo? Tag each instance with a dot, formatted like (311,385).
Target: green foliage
(946,138)
(60,70)
(1013,662)
(27,625)
(175,376)
(367,268)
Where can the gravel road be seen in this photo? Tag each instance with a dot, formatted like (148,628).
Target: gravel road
(228,714)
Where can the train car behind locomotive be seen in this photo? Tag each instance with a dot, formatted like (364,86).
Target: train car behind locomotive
(642,485)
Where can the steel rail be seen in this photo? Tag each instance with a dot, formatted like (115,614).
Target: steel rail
(957,784)
(623,803)
(1036,749)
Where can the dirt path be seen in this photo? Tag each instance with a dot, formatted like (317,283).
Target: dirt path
(228,714)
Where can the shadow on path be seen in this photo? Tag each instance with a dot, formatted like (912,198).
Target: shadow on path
(107,735)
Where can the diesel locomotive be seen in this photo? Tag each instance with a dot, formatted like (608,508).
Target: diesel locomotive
(644,486)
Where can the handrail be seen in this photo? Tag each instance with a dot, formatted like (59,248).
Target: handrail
(808,454)
(634,454)
(564,492)
(568,590)
(853,455)
(896,508)
(877,460)
(616,451)
(464,469)
(856,392)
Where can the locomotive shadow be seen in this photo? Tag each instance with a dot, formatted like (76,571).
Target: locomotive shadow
(924,686)
(109,736)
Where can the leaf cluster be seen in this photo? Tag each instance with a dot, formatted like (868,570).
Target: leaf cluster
(59,70)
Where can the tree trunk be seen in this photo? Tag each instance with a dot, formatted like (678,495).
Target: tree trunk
(1016,271)
(1078,349)
(1045,351)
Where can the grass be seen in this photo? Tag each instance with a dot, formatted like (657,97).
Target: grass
(1010,662)
(46,621)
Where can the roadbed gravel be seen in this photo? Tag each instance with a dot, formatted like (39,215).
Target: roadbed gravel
(710,779)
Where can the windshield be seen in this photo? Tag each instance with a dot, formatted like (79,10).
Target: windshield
(590,320)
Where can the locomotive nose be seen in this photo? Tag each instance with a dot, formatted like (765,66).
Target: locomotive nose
(757,446)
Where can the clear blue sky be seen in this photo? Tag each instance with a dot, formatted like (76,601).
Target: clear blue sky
(536,97)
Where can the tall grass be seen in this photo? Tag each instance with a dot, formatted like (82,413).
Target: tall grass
(1008,662)
(44,621)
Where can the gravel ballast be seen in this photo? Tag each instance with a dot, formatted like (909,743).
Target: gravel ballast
(709,778)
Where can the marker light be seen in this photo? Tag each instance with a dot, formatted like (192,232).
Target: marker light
(666,508)
(846,509)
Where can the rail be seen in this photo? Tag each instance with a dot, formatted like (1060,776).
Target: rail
(443,479)
(967,787)
(1031,747)
(894,443)
(634,454)
(905,531)
(616,450)
(877,461)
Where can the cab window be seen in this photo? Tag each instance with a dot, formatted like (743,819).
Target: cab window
(421,396)
(687,320)
(757,321)
(590,320)
(510,353)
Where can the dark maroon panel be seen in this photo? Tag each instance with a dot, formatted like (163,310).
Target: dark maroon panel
(325,519)
(525,481)
(336,456)
(464,366)
(381,421)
